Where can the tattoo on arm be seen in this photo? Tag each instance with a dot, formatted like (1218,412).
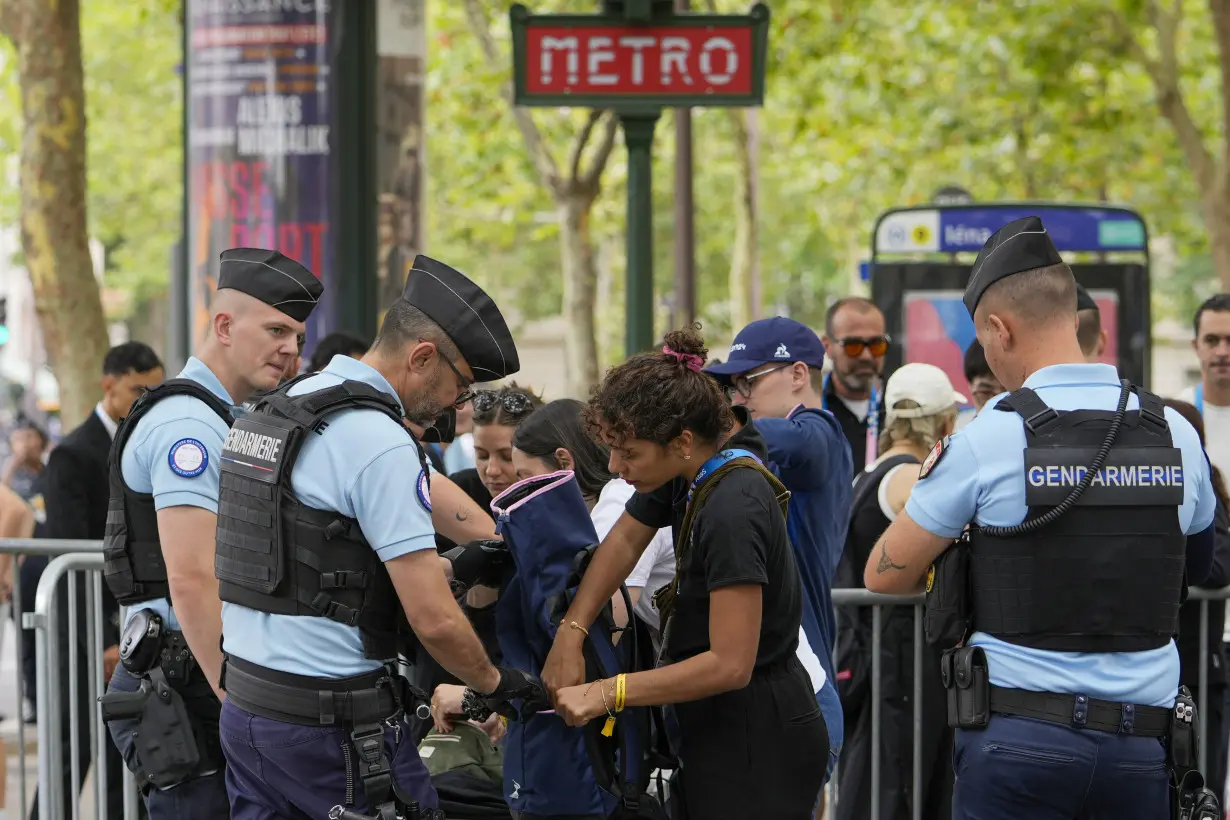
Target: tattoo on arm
(886,563)
(462,515)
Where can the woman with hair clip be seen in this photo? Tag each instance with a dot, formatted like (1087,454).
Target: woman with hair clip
(750,734)
(496,415)
(1215,734)
(552,439)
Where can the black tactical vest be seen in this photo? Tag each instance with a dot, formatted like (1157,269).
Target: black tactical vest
(134,568)
(1108,576)
(278,555)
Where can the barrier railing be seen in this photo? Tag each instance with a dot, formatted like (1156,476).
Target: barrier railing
(864,598)
(71,560)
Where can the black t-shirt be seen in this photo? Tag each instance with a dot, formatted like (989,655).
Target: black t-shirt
(854,428)
(739,537)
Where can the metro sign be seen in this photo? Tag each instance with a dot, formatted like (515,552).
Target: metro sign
(604,62)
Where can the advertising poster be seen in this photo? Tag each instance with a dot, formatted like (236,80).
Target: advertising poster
(259,132)
(401,31)
(938,330)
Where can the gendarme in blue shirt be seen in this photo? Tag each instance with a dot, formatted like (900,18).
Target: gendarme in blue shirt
(810,454)
(981,479)
(163,456)
(365,466)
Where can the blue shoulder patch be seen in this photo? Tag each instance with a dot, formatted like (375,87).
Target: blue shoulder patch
(188,458)
(423,490)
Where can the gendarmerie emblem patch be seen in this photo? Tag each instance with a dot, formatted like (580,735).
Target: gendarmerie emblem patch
(937,453)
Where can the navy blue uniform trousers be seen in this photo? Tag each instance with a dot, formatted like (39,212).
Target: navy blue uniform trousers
(202,798)
(292,772)
(1022,769)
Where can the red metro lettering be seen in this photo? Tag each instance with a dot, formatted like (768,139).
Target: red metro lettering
(627,60)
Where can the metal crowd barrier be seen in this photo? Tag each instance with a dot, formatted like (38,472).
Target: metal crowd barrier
(85,557)
(70,559)
(862,598)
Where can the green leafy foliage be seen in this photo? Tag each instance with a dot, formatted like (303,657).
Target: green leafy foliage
(871,104)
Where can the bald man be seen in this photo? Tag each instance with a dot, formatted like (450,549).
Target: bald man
(160,537)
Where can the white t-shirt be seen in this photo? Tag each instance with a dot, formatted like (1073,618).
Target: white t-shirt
(1216,430)
(859,407)
(656,567)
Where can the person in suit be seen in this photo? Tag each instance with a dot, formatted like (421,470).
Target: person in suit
(76,494)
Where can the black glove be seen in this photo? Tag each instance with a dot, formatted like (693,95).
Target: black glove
(480,562)
(514,685)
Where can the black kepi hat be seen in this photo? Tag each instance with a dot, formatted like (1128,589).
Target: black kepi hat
(276,280)
(1021,245)
(466,314)
(1083,300)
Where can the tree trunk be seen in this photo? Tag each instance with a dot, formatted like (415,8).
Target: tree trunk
(47,36)
(1216,208)
(747,240)
(580,287)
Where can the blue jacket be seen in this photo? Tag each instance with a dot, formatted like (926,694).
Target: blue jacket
(810,454)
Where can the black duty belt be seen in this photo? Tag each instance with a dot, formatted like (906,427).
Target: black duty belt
(1082,712)
(361,699)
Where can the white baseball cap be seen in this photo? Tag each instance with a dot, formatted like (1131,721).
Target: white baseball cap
(924,384)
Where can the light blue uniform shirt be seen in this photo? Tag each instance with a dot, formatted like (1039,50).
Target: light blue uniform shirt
(363,465)
(981,478)
(172,454)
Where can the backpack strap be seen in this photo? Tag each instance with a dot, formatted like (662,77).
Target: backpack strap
(664,598)
(1035,413)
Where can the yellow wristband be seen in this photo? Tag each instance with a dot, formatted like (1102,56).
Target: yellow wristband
(579,628)
(620,691)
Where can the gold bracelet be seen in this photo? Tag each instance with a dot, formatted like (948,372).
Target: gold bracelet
(602,692)
(579,628)
(621,691)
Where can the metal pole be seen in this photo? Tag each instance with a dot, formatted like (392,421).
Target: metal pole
(19,620)
(916,796)
(46,624)
(180,293)
(98,732)
(1203,697)
(74,695)
(685,212)
(638,137)
(753,195)
(877,623)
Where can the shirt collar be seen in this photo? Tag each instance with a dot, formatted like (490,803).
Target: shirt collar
(1054,375)
(200,373)
(345,367)
(748,437)
(110,425)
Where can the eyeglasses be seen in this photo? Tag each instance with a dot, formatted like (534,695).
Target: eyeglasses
(465,395)
(878,345)
(514,403)
(743,384)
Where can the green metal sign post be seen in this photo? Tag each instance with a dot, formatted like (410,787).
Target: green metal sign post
(638,57)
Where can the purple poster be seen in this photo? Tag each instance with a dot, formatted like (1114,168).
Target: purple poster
(260,126)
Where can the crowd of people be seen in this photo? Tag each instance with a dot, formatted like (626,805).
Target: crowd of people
(306,516)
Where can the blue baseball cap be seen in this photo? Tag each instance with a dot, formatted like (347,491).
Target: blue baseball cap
(777,339)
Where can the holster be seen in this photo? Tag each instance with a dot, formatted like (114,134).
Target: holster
(968,684)
(948,608)
(1191,800)
(168,748)
(1183,739)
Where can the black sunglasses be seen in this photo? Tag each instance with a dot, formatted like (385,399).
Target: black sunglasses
(514,403)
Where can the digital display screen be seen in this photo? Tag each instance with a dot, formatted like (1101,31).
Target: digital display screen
(938,330)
